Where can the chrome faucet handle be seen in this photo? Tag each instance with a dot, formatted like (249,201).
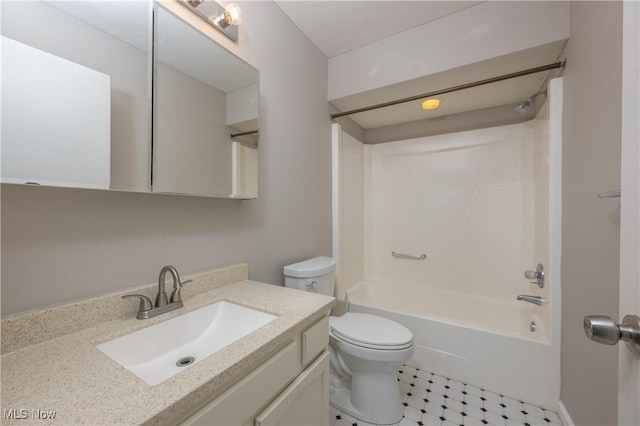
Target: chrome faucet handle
(145,302)
(537,275)
(175,294)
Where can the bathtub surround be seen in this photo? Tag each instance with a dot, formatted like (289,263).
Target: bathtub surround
(480,206)
(473,187)
(453,194)
(348,209)
(60,245)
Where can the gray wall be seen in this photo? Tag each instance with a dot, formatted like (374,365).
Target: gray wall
(591,228)
(64,244)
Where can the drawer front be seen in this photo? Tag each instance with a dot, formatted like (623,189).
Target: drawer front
(303,402)
(315,340)
(238,404)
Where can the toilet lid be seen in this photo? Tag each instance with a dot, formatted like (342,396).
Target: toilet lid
(371,331)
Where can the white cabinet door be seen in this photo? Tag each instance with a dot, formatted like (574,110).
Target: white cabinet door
(304,402)
(239,404)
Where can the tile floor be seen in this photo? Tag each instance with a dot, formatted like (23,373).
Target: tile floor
(430,399)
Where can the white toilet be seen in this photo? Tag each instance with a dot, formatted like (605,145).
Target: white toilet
(366,350)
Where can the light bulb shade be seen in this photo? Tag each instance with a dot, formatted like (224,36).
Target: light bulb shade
(233,14)
(221,18)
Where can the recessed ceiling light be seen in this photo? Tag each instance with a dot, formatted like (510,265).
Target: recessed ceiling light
(432,103)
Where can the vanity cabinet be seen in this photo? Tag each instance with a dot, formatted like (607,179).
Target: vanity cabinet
(290,388)
(303,402)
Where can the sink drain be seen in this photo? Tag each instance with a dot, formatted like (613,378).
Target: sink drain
(187,360)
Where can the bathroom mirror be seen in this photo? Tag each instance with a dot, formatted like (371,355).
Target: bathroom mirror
(203,94)
(76,93)
(77,87)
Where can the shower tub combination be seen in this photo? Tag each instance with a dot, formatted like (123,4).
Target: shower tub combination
(479,341)
(474,211)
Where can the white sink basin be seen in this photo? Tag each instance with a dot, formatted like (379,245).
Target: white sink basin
(152,353)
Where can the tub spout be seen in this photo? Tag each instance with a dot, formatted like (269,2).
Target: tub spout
(537,300)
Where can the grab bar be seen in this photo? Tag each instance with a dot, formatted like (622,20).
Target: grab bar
(409,256)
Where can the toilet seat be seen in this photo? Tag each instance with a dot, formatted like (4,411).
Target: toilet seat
(371,332)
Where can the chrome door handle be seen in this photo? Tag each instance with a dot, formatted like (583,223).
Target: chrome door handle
(602,329)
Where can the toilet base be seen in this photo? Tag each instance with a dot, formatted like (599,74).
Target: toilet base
(340,399)
(384,411)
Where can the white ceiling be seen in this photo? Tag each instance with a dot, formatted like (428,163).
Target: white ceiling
(336,27)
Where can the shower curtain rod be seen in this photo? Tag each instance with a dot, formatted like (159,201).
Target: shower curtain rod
(548,67)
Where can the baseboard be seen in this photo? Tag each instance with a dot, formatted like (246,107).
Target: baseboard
(564,415)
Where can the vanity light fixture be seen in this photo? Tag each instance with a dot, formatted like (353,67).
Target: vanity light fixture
(431,103)
(224,19)
(232,15)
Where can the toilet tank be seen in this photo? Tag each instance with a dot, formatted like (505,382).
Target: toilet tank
(316,275)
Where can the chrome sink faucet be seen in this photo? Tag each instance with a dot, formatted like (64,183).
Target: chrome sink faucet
(147,310)
(161,297)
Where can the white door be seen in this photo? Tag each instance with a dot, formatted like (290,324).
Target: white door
(629,364)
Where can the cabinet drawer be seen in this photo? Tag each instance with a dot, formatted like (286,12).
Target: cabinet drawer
(238,404)
(303,402)
(315,340)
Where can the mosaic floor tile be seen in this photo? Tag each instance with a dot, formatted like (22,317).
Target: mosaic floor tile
(433,400)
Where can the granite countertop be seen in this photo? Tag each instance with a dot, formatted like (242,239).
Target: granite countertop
(70,381)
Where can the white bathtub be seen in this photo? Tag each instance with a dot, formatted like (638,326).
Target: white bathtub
(475,340)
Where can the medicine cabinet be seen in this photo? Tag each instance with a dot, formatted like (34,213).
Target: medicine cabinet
(124,96)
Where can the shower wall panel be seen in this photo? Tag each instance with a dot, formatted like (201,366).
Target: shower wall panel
(349,166)
(469,201)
